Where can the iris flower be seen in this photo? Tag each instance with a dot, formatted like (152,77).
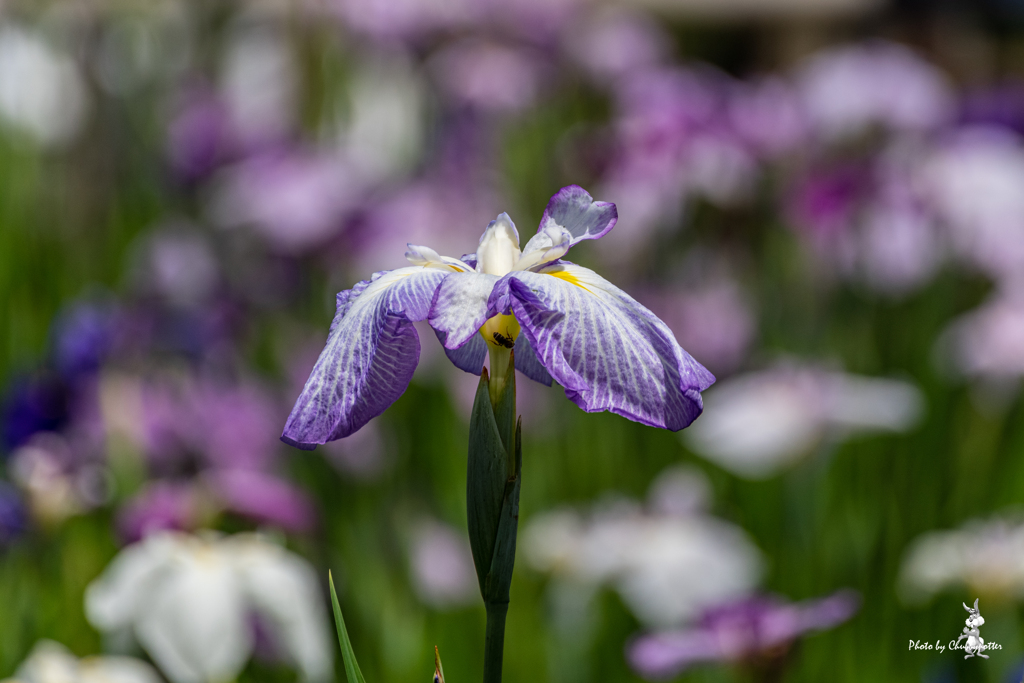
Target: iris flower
(565,322)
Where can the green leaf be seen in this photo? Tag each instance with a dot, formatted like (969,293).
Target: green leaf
(352,672)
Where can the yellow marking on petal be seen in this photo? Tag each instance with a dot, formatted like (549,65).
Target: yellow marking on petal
(568,277)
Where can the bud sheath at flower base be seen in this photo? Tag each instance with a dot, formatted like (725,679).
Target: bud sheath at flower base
(492,501)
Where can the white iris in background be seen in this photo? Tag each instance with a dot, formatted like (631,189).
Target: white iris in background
(51,662)
(757,424)
(189,601)
(668,564)
(41,90)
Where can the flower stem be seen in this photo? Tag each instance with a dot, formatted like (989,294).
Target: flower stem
(500,358)
(494,643)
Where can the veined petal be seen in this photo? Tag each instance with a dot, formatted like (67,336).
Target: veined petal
(470,356)
(572,209)
(498,250)
(606,349)
(459,308)
(527,361)
(425,256)
(369,358)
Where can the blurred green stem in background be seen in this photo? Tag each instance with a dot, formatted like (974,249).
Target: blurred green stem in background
(492,499)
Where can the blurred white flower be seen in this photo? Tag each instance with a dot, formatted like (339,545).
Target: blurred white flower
(756,424)
(974,180)
(679,491)
(488,75)
(847,89)
(442,568)
(41,90)
(988,342)
(260,81)
(986,556)
(51,662)
(384,133)
(188,600)
(666,568)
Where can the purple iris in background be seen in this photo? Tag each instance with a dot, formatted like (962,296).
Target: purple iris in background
(567,324)
(755,629)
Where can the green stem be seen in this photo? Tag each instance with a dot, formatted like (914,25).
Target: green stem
(500,358)
(494,643)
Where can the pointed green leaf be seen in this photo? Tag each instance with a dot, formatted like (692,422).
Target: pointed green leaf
(486,477)
(352,672)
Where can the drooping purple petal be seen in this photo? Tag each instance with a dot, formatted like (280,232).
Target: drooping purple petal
(468,357)
(369,358)
(575,210)
(607,350)
(459,308)
(528,363)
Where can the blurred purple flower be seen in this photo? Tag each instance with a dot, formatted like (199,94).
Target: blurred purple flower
(768,116)
(234,425)
(295,199)
(387,20)
(488,75)
(81,337)
(825,200)
(673,140)
(13,516)
(616,42)
(34,404)
(263,497)
(161,505)
(198,135)
(442,566)
(999,106)
(756,628)
(846,90)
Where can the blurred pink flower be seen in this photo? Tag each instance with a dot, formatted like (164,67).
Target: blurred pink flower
(295,199)
(846,90)
(161,505)
(768,116)
(615,42)
(751,629)
(488,75)
(262,497)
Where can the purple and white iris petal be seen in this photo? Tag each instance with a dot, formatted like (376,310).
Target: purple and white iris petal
(468,357)
(575,210)
(607,350)
(369,358)
(527,362)
(459,308)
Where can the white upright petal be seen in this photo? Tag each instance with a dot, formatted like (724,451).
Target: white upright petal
(499,247)
(283,588)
